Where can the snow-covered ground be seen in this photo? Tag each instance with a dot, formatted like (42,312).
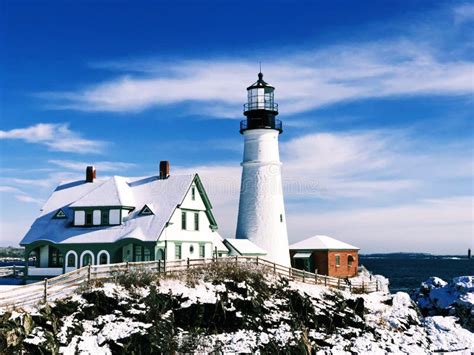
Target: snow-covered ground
(249,313)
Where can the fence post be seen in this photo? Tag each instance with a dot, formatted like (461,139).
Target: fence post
(187,263)
(325,280)
(257,260)
(126,265)
(45,294)
(159,267)
(350,287)
(14,271)
(303,274)
(338,283)
(289,272)
(377,285)
(89,274)
(363,291)
(236,260)
(274,269)
(315,278)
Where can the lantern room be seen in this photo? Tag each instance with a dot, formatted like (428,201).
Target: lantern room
(260,108)
(260,96)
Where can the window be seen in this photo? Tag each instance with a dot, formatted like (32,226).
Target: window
(338,260)
(146,211)
(193,193)
(183,220)
(177,251)
(350,260)
(202,251)
(191,249)
(105,217)
(96,217)
(138,253)
(114,217)
(79,218)
(146,254)
(281,218)
(196,221)
(103,259)
(87,259)
(55,257)
(71,260)
(59,214)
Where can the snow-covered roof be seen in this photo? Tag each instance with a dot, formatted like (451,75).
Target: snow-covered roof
(244,247)
(321,242)
(162,195)
(111,192)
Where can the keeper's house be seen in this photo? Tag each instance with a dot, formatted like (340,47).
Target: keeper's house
(326,256)
(120,219)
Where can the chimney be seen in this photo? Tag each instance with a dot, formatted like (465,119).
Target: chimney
(90,173)
(164,169)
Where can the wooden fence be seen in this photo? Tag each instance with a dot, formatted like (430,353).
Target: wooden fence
(64,285)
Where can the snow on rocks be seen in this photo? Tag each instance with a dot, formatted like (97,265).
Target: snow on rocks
(256,313)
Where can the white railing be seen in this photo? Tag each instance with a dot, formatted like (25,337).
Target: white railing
(66,284)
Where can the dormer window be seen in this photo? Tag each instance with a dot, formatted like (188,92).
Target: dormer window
(59,214)
(146,211)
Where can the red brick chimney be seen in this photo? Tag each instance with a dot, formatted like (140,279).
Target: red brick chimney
(90,173)
(164,169)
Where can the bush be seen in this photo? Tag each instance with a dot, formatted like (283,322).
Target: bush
(135,278)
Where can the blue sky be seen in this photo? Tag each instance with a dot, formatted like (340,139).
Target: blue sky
(376,98)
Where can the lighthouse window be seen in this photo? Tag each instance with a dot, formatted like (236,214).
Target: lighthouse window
(193,193)
(281,218)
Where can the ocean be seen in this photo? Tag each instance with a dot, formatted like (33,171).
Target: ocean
(407,271)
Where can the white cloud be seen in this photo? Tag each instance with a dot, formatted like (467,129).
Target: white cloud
(57,137)
(304,80)
(99,165)
(20,195)
(442,226)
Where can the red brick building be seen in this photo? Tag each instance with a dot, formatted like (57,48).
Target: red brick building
(326,256)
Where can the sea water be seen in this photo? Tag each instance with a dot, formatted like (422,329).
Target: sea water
(407,271)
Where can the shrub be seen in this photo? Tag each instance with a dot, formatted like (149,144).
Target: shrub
(135,278)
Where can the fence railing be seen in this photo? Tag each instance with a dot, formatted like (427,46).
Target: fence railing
(64,285)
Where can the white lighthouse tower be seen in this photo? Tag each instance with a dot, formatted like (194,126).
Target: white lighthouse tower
(262,217)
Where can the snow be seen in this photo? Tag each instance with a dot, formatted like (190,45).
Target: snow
(204,292)
(164,194)
(245,247)
(445,334)
(436,294)
(321,242)
(97,332)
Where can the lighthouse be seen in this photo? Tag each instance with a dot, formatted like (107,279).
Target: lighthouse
(261,216)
